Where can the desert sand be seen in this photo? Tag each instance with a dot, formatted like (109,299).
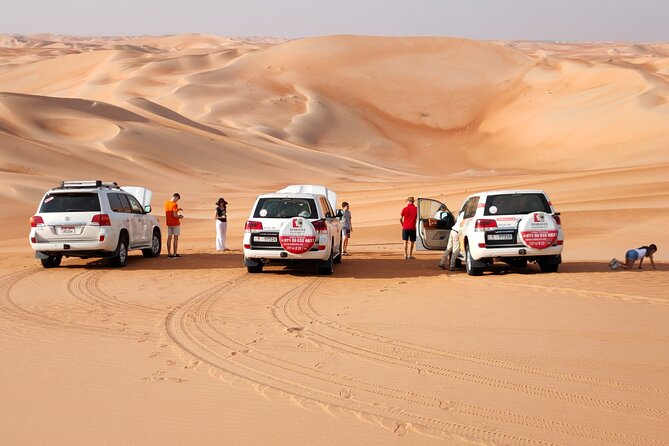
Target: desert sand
(386,351)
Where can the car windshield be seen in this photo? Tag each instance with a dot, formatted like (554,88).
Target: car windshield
(71,202)
(286,208)
(515,204)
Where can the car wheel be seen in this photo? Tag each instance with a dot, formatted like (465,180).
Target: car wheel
(51,261)
(341,253)
(254,269)
(328,266)
(469,263)
(120,257)
(548,267)
(156,245)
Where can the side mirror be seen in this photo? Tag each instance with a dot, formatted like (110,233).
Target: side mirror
(340,213)
(147,209)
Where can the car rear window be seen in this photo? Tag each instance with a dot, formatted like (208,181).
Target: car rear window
(286,208)
(71,202)
(514,204)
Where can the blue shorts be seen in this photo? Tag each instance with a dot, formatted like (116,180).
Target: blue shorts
(632,254)
(409,234)
(346,233)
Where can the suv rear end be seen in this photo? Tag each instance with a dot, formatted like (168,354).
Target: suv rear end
(82,219)
(512,226)
(291,227)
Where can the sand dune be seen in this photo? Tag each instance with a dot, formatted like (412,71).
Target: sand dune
(386,351)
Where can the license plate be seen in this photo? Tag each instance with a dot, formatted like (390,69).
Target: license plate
(264,239)
(500,237)
(67,229)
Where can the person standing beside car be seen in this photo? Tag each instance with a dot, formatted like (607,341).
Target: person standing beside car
(346,226)
(221,216)
(173,223)
(408,219)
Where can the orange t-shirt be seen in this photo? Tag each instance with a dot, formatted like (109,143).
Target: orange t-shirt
(170,207)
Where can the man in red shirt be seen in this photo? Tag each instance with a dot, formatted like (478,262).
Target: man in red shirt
(173,223)
(408,222)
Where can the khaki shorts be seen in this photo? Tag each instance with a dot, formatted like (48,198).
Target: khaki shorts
(174,230)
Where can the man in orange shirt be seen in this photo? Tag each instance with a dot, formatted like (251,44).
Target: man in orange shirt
(173,224)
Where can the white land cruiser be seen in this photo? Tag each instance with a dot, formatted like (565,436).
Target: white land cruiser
(297,223)
(513,226)
(94,219)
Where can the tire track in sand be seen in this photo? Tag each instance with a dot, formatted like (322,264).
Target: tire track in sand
(191,328)
(299,303)
(10,306)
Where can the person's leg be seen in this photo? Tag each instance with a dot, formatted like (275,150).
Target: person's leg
(455,254)
(169,241)
(411,244)
(219,243)
(176,244)
(444,256)
(346,236)
(406,249)
(224,234)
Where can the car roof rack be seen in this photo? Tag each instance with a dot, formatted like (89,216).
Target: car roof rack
(87,184)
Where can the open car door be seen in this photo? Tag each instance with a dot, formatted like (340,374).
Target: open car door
(433,225)
(142,194)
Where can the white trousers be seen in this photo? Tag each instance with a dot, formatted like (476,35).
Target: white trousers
(221,229)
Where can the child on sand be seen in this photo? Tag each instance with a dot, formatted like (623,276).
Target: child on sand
(633,255)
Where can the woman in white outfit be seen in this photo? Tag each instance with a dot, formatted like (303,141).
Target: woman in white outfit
(221,216)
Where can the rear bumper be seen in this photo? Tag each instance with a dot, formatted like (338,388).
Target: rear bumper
(273,255)
(76,249)
(519,251)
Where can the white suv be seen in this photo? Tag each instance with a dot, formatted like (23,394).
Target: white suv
(297,223)
(513,226)
(94,219)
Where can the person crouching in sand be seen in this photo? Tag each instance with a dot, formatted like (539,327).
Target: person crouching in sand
(633,255)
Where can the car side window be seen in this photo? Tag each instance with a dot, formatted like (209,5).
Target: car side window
(470,207)
(327,209)
(125,204)
(114,203)
(134,205)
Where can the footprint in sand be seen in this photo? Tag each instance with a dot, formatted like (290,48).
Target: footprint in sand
(192,365)
(170,363)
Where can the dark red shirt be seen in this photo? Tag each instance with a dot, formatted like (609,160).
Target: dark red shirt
(410,213)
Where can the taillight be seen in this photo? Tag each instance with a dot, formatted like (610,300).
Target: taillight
(320,226)
(35,221)
(101,220)
(253,226)
(556,217)
(485,224)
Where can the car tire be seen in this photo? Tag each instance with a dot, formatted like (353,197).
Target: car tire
(341,253)
(469,264)
(327,267)
(120,258)
(156,245)
(548,267)
(254,269)
(51,261)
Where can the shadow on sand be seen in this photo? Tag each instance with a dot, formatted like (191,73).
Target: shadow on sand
(371,265)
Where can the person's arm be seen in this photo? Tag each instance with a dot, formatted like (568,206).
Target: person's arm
(216,214)
(652,262)
(641,262)
(175,213)
(402,218)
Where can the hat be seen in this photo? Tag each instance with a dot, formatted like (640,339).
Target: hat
(219,200)
(410,199)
